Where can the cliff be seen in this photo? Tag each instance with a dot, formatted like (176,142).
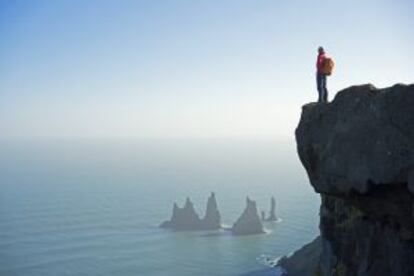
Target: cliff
(358,152)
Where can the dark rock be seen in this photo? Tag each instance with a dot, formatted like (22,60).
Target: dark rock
(249,222)
(358,152)
(270,271)
(305,261)
(363,139)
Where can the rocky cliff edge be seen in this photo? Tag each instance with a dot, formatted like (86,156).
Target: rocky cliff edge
(358,152)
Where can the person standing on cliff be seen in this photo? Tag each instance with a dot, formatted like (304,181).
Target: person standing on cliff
(321,76)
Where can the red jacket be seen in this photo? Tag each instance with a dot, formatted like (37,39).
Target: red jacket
(319,62)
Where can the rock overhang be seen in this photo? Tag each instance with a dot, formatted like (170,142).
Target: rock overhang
(363,139)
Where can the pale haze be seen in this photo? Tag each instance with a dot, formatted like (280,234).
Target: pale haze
(129,69)
(112,111)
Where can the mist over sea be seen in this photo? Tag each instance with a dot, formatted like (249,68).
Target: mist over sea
(92,207)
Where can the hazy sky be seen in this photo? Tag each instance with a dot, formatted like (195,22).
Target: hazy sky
(187,68)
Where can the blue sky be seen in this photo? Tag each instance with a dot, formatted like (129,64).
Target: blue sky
(187,68)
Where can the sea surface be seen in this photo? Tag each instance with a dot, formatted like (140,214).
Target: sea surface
(92,207)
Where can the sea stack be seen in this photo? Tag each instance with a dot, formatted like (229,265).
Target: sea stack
(272,214)
(263,215)
(249,222)
(186,218)
(212,219)
(183,218)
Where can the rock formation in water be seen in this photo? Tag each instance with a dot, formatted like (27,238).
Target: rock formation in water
(249,222)
(358,152)
(263,215)
(212,219)
(272,213)
(183,218)
(186,218)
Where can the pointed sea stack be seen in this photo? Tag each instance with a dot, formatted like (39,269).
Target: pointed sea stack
(212,219)
(186,218)
(272,214)
(249,222)
(183,218)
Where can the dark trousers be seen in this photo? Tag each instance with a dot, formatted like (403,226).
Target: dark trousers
(321,85)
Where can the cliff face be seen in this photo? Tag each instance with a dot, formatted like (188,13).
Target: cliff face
(358,152)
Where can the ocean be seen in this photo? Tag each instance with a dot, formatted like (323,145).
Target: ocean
(92,207)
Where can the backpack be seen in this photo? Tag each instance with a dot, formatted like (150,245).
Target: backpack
(328,66)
